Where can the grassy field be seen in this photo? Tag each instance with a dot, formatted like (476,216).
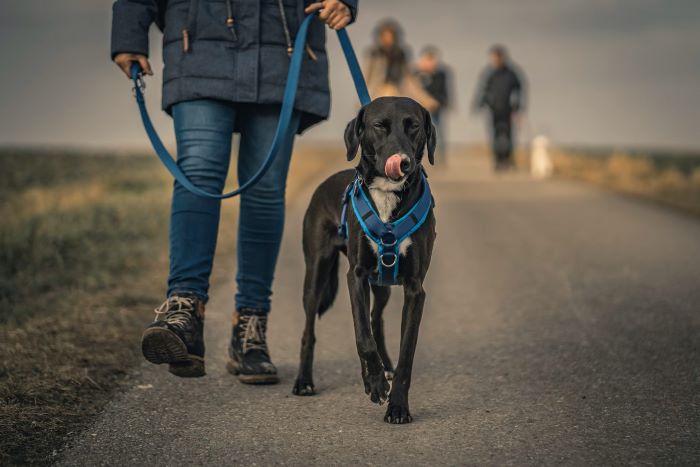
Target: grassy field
(670,178)
(83,262)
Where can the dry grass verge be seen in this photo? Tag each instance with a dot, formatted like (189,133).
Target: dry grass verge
(83,261)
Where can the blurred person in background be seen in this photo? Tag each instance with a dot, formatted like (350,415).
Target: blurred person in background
(387,69)
(435,79)
(501,90)
(225,71)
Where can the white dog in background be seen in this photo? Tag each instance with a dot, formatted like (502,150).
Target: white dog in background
(540,162)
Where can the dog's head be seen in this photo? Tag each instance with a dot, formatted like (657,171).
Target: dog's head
(393,133)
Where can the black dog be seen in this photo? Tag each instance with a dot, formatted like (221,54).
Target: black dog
(392,133)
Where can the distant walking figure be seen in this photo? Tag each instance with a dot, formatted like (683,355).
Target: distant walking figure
(387,69)
(502,91)
(435,79)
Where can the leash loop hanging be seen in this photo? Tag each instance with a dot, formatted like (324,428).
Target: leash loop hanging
(282,130)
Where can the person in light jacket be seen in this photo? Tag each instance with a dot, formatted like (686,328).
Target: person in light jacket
(387,69)
(225,68)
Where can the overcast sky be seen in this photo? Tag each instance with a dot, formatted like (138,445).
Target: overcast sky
(601,72)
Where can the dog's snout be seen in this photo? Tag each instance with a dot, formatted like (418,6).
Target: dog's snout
(396,166)
(405,163)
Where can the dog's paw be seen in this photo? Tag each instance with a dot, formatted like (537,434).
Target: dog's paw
(303,388)
(397,414)
(389,374)
(377,387)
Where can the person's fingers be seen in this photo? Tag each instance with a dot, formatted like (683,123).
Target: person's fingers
(313,7)
(124,65)
(341,22)
(145,65)
(332,17)
(335,14)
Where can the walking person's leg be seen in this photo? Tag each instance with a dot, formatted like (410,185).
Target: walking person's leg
(259,236)
(203,130)
(494,143)
(508,142)
(502,146)
(441,151)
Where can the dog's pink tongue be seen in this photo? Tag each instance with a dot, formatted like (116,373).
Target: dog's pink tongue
(393,167)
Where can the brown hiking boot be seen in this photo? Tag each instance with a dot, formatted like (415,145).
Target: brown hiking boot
(176,336)
(248,352)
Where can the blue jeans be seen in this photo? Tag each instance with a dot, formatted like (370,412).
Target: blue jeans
(203,130)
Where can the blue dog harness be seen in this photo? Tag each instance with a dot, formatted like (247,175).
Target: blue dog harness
(387,236)
(290,91)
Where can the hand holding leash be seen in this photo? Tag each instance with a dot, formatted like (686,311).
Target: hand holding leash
(334,13)
(125,60)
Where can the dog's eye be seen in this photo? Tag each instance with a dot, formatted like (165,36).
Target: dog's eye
(379,125)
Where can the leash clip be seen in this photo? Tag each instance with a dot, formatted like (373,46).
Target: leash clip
(139,83)
(356,185)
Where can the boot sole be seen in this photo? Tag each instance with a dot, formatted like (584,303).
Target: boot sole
(233,367)
(160,345)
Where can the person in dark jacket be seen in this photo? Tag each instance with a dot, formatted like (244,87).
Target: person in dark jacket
(435,78)
(226,63)
(502,92)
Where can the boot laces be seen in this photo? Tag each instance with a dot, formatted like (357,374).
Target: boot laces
(179,316)
(252,333)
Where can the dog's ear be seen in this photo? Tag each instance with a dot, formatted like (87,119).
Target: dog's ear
(353,132)
(430,136)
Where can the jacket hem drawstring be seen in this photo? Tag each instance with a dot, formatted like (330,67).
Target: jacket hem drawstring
(229,19)
(188,32)
(288,35)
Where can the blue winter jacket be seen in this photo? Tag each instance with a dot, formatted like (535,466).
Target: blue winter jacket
(243,59)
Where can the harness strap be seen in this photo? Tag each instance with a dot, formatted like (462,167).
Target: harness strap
(284,119)
(343,227)
(387,236)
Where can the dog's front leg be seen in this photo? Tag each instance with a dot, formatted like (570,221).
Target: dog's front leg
(414,299)
(376,384)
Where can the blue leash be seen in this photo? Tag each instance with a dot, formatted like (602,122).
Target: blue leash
(290,92)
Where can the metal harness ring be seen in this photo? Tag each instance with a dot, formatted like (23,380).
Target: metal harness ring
(388,244)
(381,259)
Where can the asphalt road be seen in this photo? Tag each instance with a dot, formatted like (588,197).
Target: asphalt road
(562,326)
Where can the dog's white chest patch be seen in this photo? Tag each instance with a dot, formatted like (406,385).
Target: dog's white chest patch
(383,193)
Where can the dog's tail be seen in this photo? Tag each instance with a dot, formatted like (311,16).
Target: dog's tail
(329,292)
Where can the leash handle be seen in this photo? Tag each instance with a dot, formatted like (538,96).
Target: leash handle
(282,130)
